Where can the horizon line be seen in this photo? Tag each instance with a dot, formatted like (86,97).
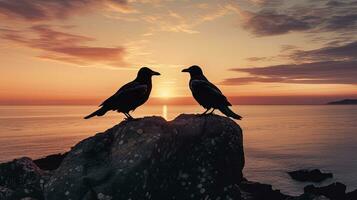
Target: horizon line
(185,100)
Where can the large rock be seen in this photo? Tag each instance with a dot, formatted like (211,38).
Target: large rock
(351,195)
(258,191)
(314,175)
(192,157)
(21,178)
(334,191)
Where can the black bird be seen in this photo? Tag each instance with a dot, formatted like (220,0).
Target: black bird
(207,94)
(130,96)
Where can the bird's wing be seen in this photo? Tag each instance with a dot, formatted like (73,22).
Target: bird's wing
(208,89)
(129,90)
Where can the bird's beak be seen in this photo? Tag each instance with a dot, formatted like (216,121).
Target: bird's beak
(155,73)
(185,70)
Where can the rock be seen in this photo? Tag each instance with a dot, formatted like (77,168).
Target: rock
(50,162)
(258,191)
(191,157)
(6,193)
(351,195)
(21,178)
(309,175)
(308,197)
(334,191)
(344,102)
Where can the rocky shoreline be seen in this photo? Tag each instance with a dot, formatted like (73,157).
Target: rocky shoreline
(191,157)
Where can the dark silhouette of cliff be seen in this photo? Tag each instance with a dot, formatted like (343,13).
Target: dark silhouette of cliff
(344,102)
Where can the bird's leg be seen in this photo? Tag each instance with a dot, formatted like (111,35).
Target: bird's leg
(212,111)
(130,117)
(127,116)
(206,111)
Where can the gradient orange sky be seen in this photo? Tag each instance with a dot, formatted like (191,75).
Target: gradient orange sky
(256,51)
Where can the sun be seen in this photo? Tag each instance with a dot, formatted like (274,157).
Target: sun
(165,93)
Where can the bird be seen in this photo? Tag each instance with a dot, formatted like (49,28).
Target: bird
(130,96)
(207,94)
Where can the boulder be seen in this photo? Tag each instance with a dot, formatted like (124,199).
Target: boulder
(259,191)
(334,191)
(21,178)
(309,175)
(306,196)
(6,193)
(191,157)
(351,195)
(256,191)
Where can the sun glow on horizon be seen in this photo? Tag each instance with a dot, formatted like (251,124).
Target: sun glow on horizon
(164,93)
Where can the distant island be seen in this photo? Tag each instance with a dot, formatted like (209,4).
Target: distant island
(344,102)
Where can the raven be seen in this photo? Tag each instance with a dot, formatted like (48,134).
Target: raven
(207,94)
(130,96)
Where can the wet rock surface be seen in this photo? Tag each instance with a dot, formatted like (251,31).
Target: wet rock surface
(192,157)
(305,175)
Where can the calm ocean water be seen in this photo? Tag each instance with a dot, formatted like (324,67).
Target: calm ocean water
(276,138)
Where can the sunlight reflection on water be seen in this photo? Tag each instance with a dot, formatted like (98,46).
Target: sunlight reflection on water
(164,111)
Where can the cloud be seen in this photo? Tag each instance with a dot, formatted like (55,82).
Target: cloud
(172,19)
(257,59)
(267,2)
(328,72)
(346,51)
(277,18)
(65,47)
(263,24)
(342,22)
(41,10)
(327,65)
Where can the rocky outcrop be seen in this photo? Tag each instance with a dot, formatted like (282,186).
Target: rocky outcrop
(309,175)
(192,157)
(344,102)
(254,191)
(21,178)
(334,191)
(351,195)
(258,191)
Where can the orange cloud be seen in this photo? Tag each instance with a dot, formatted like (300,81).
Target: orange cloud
(40,10)
(65,47)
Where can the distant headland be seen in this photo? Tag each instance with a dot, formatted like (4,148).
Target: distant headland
(344,102)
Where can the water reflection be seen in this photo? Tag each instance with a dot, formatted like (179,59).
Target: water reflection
(164,111)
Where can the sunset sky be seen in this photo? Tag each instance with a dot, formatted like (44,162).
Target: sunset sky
(256,51)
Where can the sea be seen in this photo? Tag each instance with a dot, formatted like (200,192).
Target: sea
(277,138)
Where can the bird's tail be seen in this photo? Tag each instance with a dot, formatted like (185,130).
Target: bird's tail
(229,113)
(99,112)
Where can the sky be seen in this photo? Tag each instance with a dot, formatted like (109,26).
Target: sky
(255,51)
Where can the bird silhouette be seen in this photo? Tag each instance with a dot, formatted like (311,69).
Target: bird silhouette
(130,96)
(207,94)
